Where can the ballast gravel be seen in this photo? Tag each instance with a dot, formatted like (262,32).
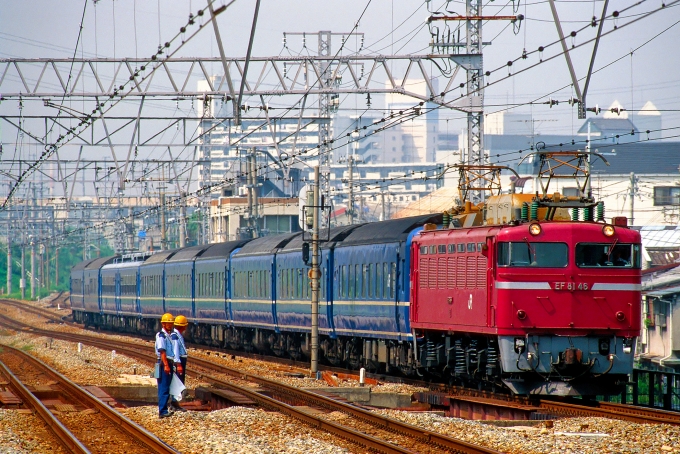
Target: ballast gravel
(245,430)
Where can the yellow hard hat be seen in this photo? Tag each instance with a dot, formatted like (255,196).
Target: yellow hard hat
(181,320)
(167,318)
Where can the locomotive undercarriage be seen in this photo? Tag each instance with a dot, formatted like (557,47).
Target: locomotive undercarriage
(460,360)
(545,364)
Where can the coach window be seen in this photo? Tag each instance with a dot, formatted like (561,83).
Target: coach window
(372,281)
(533,254)
(357,281)
(393,279)
(364,281)
(386,280)
(378,281)
(461,247)
(608,254)
(452,248)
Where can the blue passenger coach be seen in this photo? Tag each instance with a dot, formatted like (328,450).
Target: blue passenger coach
(77,285)
(152,285)
(256,294)
(179,281)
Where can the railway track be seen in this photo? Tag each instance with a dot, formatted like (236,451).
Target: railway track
(80,421)
(569,409)
(372,431)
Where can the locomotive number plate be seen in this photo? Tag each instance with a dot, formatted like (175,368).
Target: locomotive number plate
(570,286)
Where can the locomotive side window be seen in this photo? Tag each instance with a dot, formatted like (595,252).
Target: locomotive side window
(423,250)
(533,254)
(471,247)
(433,249)
(452,248)
(441,249)
(608,254)
(461,247)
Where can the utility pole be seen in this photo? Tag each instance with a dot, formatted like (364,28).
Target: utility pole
(589,188)
(9,262)
(315,275)
(32,269)
(382,205)
(164,244)
(56,267)
(631,194)
(22,281)
(350,198)
(183,220)
(251,184)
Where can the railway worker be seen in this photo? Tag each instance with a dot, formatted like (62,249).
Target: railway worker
(164,359)
(180,353)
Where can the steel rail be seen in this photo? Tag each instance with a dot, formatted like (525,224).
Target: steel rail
(613,411)
(65,436)
(420,434)
(149,440)
(317,422)
(603,409)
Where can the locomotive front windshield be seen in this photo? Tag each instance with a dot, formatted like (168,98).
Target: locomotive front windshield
(608,254)
(533,254)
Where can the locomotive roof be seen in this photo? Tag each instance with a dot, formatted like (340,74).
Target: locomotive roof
(267,244)
(98,263)
(161,256)
(221,249)
(389,231)
(336,234)
(187,253)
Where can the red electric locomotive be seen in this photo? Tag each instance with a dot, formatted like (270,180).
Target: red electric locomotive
(515,293)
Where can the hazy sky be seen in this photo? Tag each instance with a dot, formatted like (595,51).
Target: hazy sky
(130,28)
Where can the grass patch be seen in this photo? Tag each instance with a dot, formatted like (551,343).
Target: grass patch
(26,348)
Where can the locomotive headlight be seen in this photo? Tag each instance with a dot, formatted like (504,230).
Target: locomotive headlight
(519,345)
(535,229)
(608,230)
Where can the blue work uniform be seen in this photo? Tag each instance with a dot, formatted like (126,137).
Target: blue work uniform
(179,352)
(164,343)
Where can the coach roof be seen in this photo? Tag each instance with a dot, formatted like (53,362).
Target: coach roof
(336,234)
(223,250)
(187,253)
(389,231)
(160,257)
(267,244)
(98,263)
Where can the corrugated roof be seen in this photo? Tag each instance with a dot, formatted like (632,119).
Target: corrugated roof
(664,292)
(660,237)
